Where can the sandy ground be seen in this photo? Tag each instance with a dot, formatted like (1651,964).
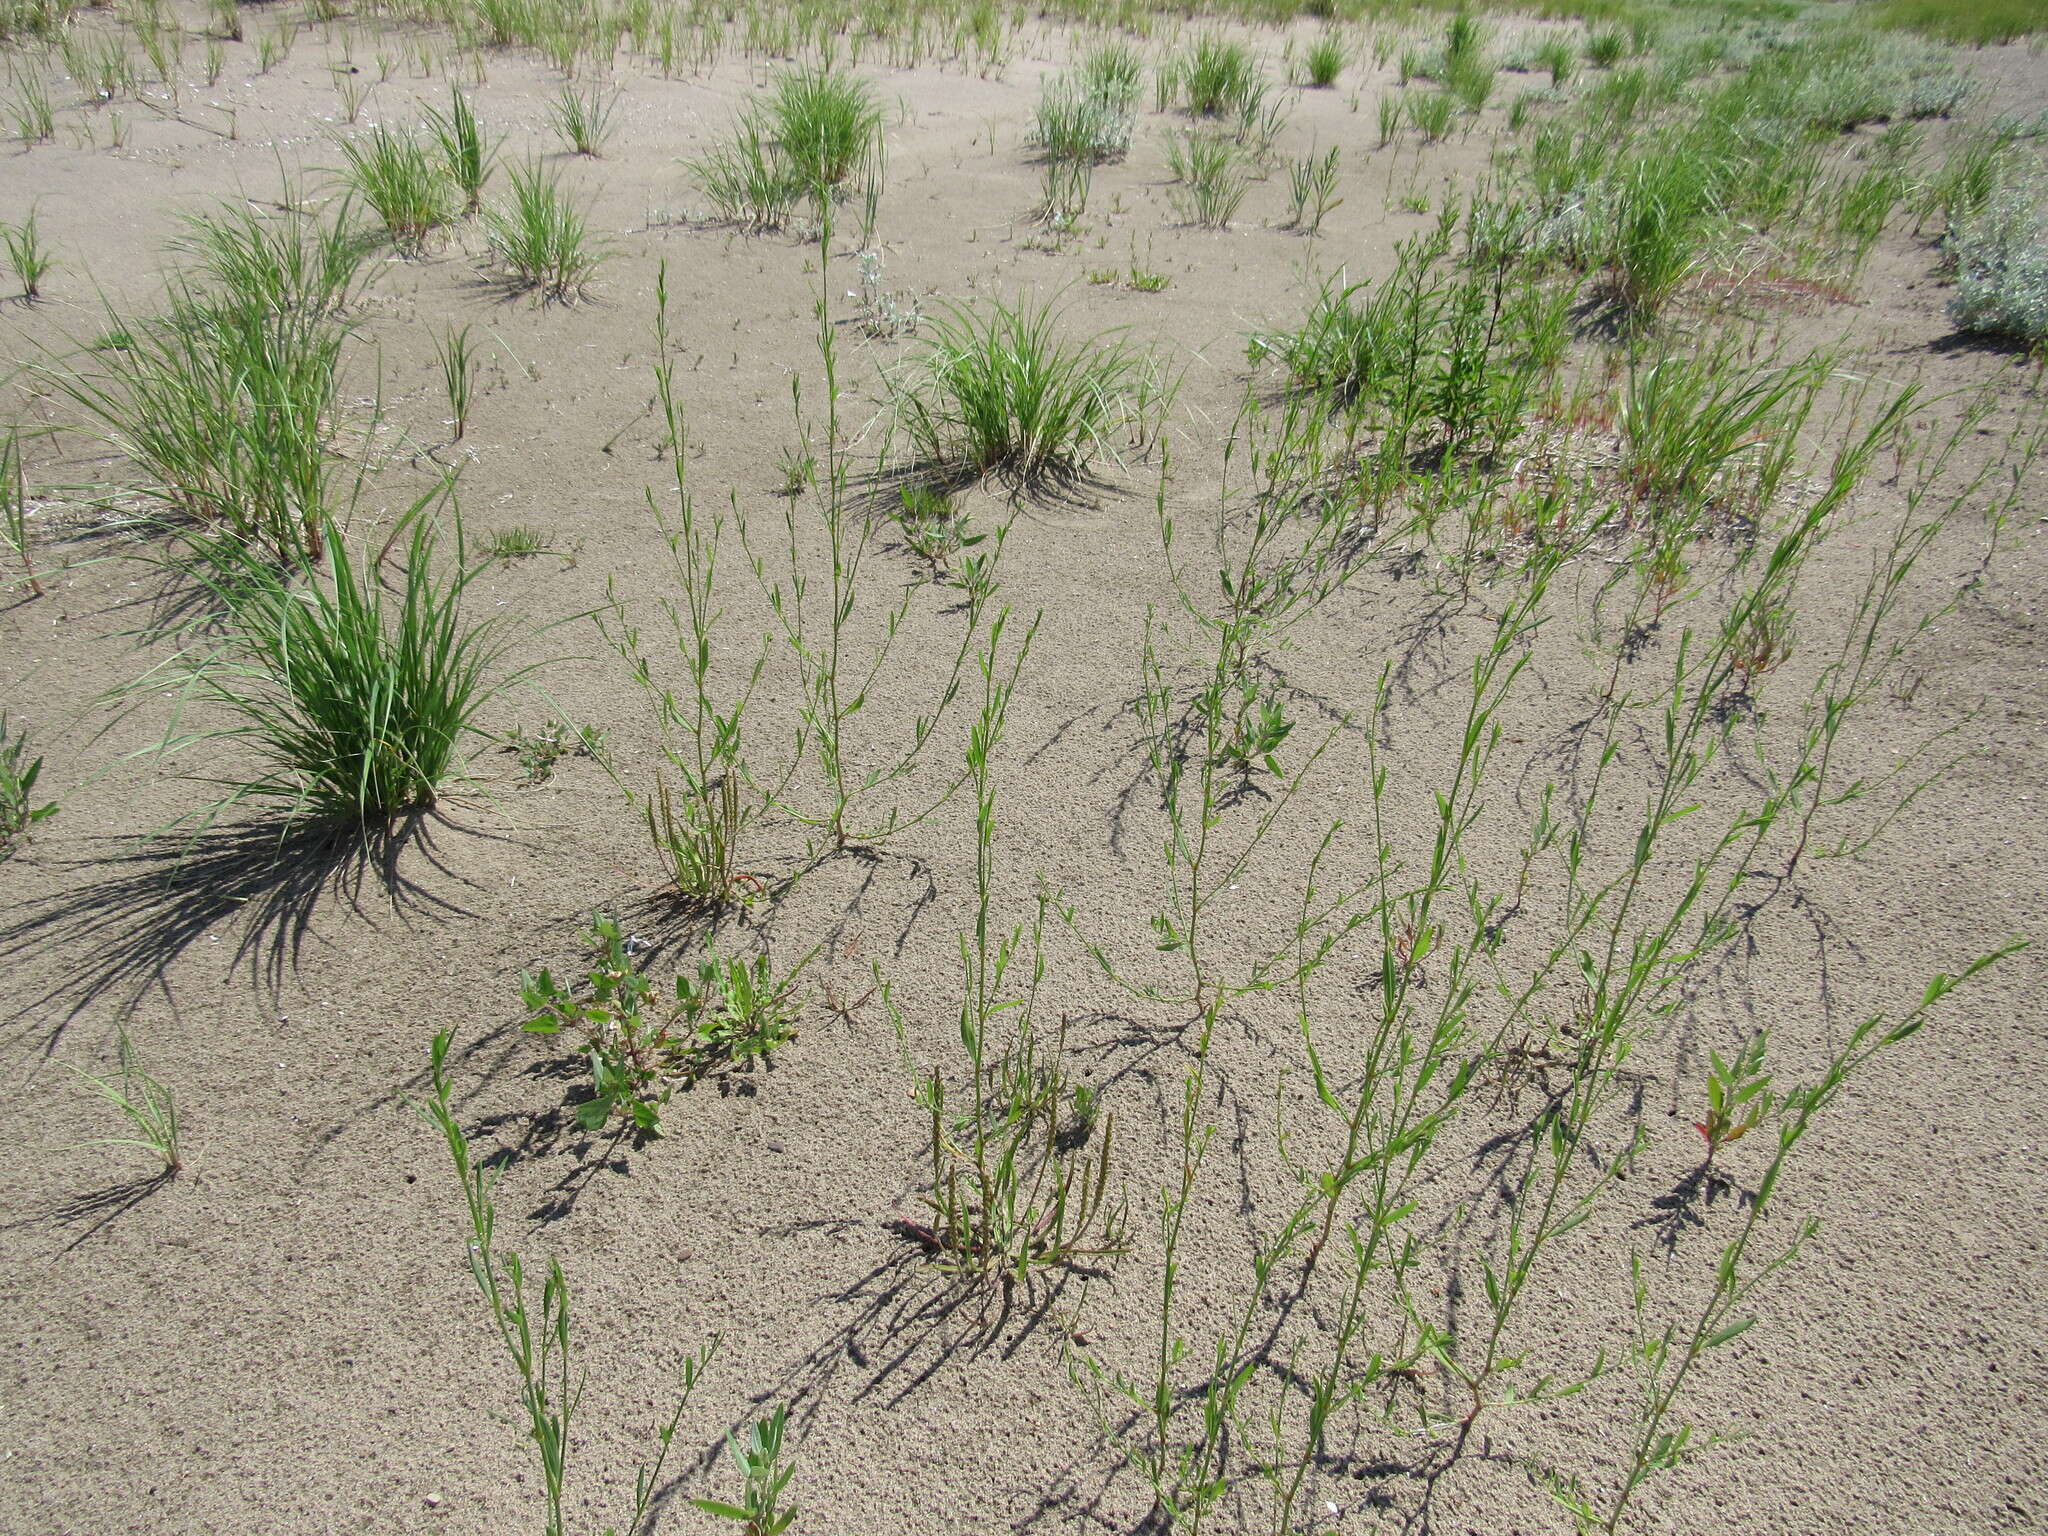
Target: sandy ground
(285,1338)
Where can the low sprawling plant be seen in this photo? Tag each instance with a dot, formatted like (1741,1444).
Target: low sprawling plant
(997,392)
(764,1476)
(642,1049)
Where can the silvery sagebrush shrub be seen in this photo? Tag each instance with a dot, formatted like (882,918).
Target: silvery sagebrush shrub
(2001,262)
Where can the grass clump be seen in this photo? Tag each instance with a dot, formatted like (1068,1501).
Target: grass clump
(828,127)
(352,691)
(539,240)
(229,409)
(1324,60)
(1976,22)
(584,119)
(28,256)
(1212,173)
(1077,123)
(468,153)
(997,392)
(290,264)
(816,130)
(1214,77)
(402,182)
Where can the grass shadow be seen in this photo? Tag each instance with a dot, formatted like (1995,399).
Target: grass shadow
(119,934)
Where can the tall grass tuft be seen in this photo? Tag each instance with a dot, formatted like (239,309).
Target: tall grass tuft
(27,255)
(402,183)
(352,692)
(997,392)
(828,127)
(467,152)
(816,130)
(1212,174)
(291,264)
(1212,78)
(584,119)
(229,408)
(1324,61)
(541,241)
(144,1103)
(1660,230)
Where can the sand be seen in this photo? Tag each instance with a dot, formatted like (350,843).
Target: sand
(285,1339)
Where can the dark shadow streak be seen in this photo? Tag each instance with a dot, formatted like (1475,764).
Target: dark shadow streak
(123,931)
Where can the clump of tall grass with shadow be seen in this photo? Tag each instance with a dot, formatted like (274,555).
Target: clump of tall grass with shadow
(999,393)
(351,691)
(1211,176)
(468,153)
(816,130)
(539,240)
(1662,222)
(228,408)
(828,127)
(402,182)
(1213,77)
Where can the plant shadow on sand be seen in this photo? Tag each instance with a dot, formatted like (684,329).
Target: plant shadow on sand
(122,931)
(94,1211)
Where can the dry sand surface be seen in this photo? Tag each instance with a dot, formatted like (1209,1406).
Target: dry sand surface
(284,1338)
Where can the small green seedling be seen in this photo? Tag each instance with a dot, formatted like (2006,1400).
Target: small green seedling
(1739,1097)
(760,1462)
(554,741)
(18,775)
(146,1105)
